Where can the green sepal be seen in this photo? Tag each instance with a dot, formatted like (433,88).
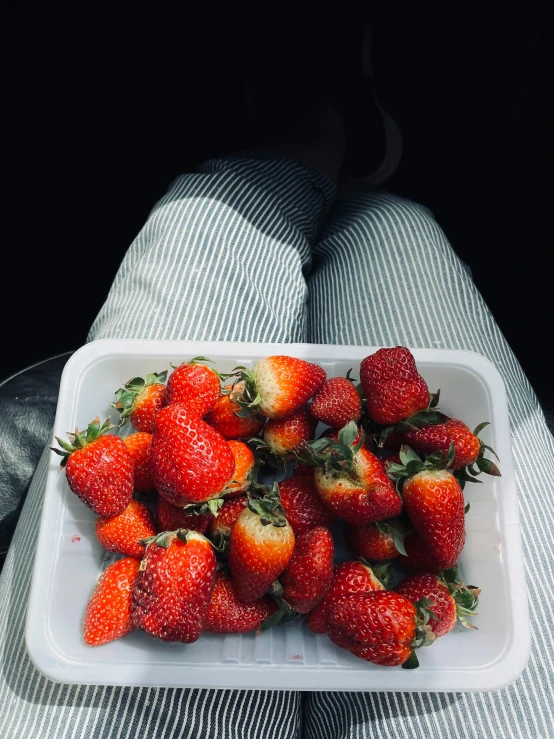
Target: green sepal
(79,440)
(126,396)
(412,662)
(210,506)
(268,507)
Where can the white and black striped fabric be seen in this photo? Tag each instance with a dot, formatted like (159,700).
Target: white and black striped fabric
(247,250)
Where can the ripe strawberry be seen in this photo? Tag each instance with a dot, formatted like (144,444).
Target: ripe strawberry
(220,526)
(349,578)
(280,385)
(449,598)
(350,480)
(228,616)
(260,547)
(434,501)
(139,447)
(337,403)
(393,388)
(419,557)
(375,541)
(191,461)
(99,468)
(468,448)
(309,573)
(140,400)
(173,590)
(244,467)
(226,415)
(284,435)
(194,385)
(108,614)
(303,507)
(122,533)
(380,627)
(171,517)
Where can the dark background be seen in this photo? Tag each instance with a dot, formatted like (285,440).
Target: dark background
(102,112)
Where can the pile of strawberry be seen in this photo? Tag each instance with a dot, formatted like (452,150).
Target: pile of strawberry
(207,547)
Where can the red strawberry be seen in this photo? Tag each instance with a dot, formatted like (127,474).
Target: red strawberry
(434,501)
(220,526)
(244,467)
(350,480)
(374,542)
(449,599)
(172,517)
(122,533)
(195,386)
(191,461)
(280,385)
(310,571)
(173,590)
(468,448)
(99,468)
(228,616)
(108,614)
(303,507)
(139,447)
(337,403)
(224,416)
(303,470)
(283,435)
(380,627)
(349,578)
(140,400)
(260,547)
(393,388)
(419,557)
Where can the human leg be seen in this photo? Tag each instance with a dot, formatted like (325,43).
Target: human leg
(384,274)
(221,257)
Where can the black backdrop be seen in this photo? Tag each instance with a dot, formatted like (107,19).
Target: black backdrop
(102,112)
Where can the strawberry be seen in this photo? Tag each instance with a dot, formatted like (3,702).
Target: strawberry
(469,450)
(99,468)
(283,435)
(449,599)
(230,418)
(122,533)
(349,578)
(220,526)
(171,517)
(173,590)
(194,385)
(140,399)
(139,447)
(382,627)
(280,385)
(310,571)
(434,501)
(303,507)
(244,467)
(350,480)
(303,470)
(375,541)
(337,403)
(393,388)
(191,461)
(260,546)
(228,616)
(418,556)
(108,615)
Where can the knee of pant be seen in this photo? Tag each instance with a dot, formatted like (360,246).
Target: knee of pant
(379,224)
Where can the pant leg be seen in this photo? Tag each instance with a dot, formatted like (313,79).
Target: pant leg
(385,275)
(220,257)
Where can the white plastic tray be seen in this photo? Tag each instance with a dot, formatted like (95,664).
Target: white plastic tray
(69,558)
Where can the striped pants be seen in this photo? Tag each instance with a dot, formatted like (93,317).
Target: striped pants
(248,249)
